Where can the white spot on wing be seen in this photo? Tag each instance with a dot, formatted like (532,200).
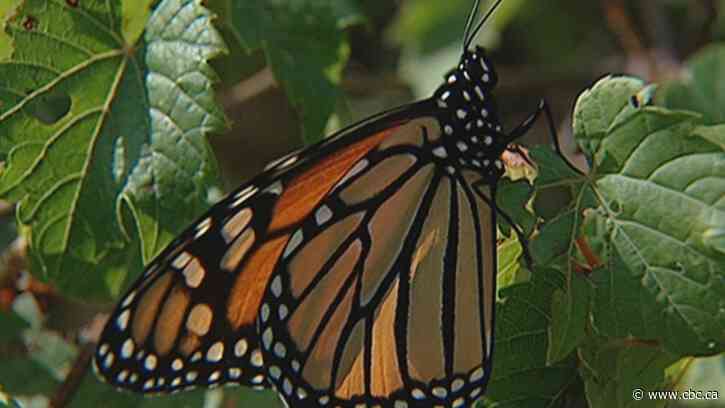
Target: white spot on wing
(243,195)
(264,313)
(129,298)
(479,92)
(256,358)
(240,348)
(282,312)
(194,273)
(280,350)
(235,373)
(267,338)
(122,320)
(275,372)
(476,375)
(323,214)
(440,151)
(150,362)
(275,188)
(277,286)
(177,364)
(294,242)
(127,349)
(203,227)
(108,361)
(181,260)
(215,352)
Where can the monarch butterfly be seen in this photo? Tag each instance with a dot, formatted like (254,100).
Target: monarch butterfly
(357,272)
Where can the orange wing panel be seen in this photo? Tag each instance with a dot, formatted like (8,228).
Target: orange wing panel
(303,193)
(299,198)
(249,287)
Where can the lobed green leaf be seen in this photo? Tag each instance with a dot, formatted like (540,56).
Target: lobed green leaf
(660,179)
(305,47)
(100,135)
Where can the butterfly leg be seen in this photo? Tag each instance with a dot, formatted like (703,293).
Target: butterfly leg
(526,125)
(519,233)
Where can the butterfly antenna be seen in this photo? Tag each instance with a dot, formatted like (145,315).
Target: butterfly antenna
(469,22)
(472,33)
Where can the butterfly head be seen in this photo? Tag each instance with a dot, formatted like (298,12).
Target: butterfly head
(475,65)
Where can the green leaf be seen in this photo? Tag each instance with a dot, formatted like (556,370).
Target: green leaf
(512,197)
(522,320)
(702,87)
(15,373)
(11,325)
(7,9)
(704,374)
(555,238)
(662,207)
(134,15)
(509,269)
(597,107)
(659,183)
(555,184)
(305,47)
(613,371)
(93,393)
(627,304)
(569,315)
(130,149)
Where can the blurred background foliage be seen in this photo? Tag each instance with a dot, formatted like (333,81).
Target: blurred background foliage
(297,71)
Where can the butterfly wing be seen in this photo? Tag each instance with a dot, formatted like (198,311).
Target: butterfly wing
(170,331)
(190,320)
(384,294)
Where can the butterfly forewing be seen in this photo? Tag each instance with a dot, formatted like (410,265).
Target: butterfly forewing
(172,329)
(381,297)
(190,320)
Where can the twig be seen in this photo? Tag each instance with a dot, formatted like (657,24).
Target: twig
(586,251)
(250,87)
(676,381)
(64,394)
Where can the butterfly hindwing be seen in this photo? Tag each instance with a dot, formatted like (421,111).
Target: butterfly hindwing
(386,286)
